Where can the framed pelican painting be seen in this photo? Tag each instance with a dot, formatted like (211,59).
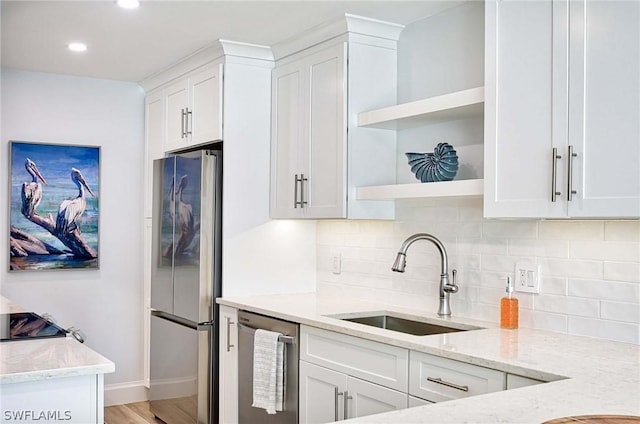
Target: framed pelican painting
(54,211)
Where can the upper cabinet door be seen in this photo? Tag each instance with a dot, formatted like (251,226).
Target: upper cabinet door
(525,108)
(562,109)
(154,139)
(604,84)
(287,114)
(205,109)
(308,136)
(176,103)
(324,153)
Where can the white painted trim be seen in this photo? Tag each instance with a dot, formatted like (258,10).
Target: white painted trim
(352,24)
(214,52)
(121,393)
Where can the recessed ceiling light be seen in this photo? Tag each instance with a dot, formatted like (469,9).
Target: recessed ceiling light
(128,4)
(77,47)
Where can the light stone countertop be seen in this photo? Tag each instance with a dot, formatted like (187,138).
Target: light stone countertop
(44,359)
(586,376)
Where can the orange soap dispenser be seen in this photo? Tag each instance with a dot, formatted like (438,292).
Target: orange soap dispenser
(509,308)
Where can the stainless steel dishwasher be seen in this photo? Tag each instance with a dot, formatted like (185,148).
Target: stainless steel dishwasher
(248,323)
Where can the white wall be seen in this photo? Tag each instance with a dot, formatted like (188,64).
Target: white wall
(590,269)
(106,303)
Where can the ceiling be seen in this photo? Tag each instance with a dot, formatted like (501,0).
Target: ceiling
(130,45)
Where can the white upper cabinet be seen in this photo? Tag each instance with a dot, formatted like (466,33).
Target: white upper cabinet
(193,109)
(154,135)
(318,154)
(309,137)
(604,113)
(562,109)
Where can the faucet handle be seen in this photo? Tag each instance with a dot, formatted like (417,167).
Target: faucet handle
(452,288)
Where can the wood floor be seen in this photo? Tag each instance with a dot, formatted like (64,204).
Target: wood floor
(131,413)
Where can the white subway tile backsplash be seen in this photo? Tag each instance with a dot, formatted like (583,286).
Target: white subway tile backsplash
(618,311)
(610,330)
(553,285)
(607,251)
(622,231)
(622,271)
(510,229)
(570,268)
(605,290)
(542,248)
(590,270)
(567,305)
(571,230)
(549,321)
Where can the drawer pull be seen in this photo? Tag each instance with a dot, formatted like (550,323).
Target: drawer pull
(446,383)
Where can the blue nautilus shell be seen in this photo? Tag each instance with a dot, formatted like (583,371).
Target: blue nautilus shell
(441,165)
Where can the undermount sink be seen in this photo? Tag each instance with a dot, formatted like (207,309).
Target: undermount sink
(405,325)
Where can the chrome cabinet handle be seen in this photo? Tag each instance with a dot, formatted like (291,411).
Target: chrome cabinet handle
(183,133)
(229,345)
(295,191)
(446,383)
(300,202)
(570,190)
(346,404)
(336,393)
(189,123)
(554,173)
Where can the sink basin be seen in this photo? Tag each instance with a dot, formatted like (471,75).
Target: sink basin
(405,325)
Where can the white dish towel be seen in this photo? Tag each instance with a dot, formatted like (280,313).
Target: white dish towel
(268,371)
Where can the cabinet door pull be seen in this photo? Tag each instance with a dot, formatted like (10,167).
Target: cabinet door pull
(570,190)
(336,394)
(446,383)
(183,133)
(229,345)
(302,199)
(300,202)
(295,191)
(554,173)
(189,123)
(346,404)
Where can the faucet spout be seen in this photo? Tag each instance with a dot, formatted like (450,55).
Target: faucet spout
(445,287)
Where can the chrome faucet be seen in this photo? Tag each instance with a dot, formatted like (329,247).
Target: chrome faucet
(445,287)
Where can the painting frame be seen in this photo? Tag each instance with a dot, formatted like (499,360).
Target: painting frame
(54,198)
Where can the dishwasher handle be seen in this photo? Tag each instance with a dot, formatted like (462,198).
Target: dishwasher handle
(281,338)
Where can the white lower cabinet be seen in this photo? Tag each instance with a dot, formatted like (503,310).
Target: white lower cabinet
(327,396)
(416,401)
(345,377)
(77,399)
(517,381)
(438,379)
(228,360)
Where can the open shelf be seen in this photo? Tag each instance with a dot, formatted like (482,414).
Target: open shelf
(453,106)
(408,191)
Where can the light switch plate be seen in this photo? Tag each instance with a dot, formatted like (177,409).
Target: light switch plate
(527,277)
(336,263)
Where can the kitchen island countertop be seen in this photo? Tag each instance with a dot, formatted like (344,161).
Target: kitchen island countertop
(586,376)
(44,359)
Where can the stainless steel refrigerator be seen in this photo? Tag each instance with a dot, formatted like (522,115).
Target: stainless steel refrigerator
(185,280)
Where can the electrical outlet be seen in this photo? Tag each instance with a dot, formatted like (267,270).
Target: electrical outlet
(527,277)
(336,263)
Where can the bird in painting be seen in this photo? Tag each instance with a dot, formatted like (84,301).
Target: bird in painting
(32,191)
(185,218)
(71,209)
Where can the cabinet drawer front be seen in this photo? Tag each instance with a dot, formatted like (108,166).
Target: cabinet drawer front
(438,379)
(372,361)
(517,381)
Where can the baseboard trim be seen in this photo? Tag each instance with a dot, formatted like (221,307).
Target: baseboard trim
(119,394)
